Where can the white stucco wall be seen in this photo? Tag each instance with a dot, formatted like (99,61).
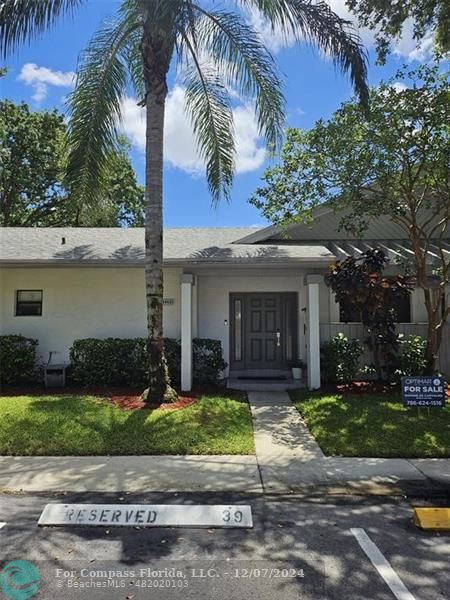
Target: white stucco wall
(213,294)
(103,302)
(84,302)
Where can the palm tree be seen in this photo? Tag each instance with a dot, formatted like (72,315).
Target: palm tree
(216,51)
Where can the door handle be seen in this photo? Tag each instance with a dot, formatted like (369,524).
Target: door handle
(278,338)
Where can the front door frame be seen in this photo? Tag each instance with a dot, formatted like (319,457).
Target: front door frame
(288,327)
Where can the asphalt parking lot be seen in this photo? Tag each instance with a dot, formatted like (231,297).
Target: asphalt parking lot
(355,548)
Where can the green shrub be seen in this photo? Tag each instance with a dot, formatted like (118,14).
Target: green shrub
(173,358)
(207,360)
(117,361)
(112,361)
(412,356)
(18,359)
(339,359)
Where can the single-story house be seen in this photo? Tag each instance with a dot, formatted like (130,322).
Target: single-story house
(260,291)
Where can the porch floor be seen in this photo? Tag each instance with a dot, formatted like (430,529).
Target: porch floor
(265,385)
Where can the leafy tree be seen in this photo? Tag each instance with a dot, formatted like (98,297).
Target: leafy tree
(33,157)
(389,18)
(138,47)
(120,203)
(361,283)
(394,163)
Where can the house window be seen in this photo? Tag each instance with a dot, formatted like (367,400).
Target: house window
(28,303)
(348,313)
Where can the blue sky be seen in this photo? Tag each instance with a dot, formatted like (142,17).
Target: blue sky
(42,74)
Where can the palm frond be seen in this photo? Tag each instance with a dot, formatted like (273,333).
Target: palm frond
(131,10)
(133,59)
(209,108)
(315,22)
(245,65)
(95,107)
(22,20)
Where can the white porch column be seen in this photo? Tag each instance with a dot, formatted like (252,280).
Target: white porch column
(187,281)
(313,330)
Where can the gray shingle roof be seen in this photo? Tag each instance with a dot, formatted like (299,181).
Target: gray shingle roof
(20,245)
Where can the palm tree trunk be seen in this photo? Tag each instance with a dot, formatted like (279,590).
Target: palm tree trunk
(155,76)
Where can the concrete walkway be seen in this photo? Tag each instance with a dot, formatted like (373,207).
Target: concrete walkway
(290,460)
(129,474)
(280,434)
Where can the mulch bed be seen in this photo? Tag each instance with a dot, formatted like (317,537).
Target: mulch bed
(135,402)
(362,388)
(125,398)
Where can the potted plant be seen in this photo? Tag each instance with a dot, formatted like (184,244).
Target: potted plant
(297,368)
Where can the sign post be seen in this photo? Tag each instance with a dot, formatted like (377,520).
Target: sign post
(421,392)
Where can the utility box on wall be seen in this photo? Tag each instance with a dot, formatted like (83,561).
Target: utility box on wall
(55,376)
(54,373)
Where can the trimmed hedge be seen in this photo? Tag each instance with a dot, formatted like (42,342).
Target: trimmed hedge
(18,359)
(118,361)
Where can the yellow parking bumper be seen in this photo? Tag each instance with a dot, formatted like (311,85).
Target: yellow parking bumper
(434,518)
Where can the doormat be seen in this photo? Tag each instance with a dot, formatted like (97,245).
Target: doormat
(263,378)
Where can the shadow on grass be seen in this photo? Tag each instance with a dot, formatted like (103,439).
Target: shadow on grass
(81,425)
(374,426)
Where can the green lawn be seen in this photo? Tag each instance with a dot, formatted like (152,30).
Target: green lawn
(86,425)
(374,425)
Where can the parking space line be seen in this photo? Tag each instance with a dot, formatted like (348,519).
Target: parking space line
(382,565)
(2,525)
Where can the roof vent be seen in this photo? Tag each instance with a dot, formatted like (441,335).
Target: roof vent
(63,241)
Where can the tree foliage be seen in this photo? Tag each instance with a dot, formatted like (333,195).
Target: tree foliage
(339,359)
(361,282)
(33,156)
(218,54)
(394,162)
(389,19)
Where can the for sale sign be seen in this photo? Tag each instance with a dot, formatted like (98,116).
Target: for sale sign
(423,391)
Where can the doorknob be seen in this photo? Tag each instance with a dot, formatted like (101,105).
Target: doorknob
(278,338)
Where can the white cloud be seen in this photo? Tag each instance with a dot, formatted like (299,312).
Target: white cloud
(408,47)
(405,46)
(39,78)
(250,152)
(367,35)
(399,86)
(275,40)
(179,143)
(133,122)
